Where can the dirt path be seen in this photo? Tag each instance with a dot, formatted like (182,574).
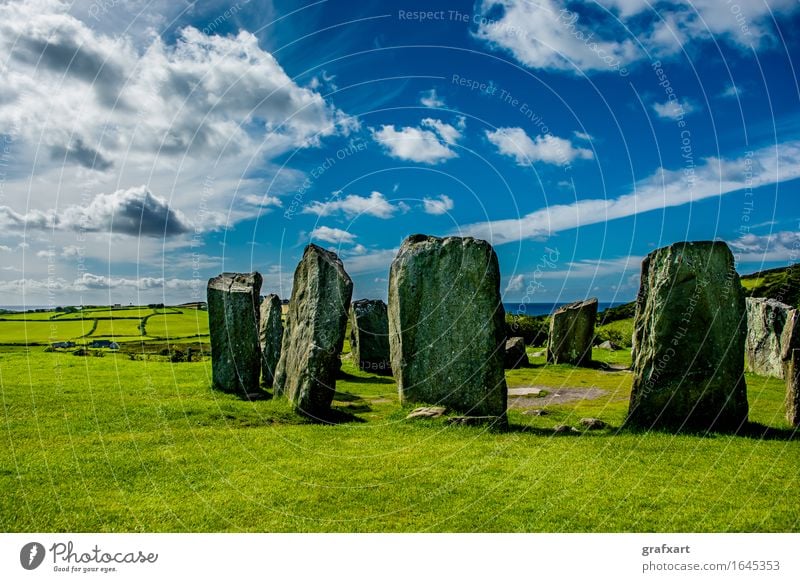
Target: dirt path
(530,396)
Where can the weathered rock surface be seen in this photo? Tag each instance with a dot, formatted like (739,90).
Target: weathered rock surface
(592,423)
(270,337)
(446,324)
(766,320)
(369,336)
(314,332)
(609,345)
(426,412)
(516,356)
(572,333)
(233,304)
(792,374)
(689,334)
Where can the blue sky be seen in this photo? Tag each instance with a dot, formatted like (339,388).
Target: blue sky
(147,146)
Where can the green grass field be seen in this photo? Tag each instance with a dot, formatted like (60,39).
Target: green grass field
(187,324)
(41,332)
(110,444)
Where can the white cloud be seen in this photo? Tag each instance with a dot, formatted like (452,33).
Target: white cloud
(592,268)
(548,34)
(5,249)
(447,132)
(353,205)
(429,146)
(543,35)
(674,109)
(333,235)
(135,212)
(92,282)
(713,177)
(440,205)
(515,143)
(192,118)
(582,135)
(431,99)
(515,283)
(773,247)
(373,261)
(731,91)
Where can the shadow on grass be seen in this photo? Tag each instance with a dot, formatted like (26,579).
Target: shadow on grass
(361,380)
(750,430)
(334,416)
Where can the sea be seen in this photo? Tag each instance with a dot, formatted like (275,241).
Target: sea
(548,308)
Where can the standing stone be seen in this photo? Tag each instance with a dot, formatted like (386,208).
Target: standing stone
(689,335)
(790,338)
(369,336)
(270,337)
(793,388)
(233,300)
(447,325)
(516,356)
(766,320)
(314,332)
(572,333)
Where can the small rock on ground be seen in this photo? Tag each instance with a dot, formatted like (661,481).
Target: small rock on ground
(592,423)
(427,412)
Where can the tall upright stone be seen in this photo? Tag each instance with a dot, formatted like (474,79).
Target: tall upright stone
(369,336)
(689,336)
(233,305)
(270,337)
(766,320)
(572,333)
(314,332)
(447,325)
(792,374)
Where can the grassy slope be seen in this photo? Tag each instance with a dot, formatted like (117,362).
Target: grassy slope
(110,444)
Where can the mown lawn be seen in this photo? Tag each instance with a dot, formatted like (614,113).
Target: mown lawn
(109,444)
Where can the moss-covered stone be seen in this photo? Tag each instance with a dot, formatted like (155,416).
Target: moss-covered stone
(369,336)
(270,337)
(446,324)
(233,303)
(689,335)
(572,333)
(314,332)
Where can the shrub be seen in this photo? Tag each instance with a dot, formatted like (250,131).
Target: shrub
(532,329)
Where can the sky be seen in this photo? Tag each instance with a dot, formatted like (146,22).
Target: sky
(146,146)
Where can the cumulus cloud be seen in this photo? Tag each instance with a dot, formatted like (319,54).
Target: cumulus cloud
(439,205)
(556,35)
(354,205)
(93,282)
(375,260)
(515,143)
(665,188)
(196,115)
(428,144)
(333,235)
(773,247)
(674,109)
(135,212)
(431,99)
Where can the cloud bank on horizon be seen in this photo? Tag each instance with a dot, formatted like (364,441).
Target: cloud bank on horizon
(144,151)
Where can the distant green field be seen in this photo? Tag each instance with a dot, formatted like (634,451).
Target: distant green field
(29,316)
(190,322)
(119,329)
(121,324)
(25,332)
